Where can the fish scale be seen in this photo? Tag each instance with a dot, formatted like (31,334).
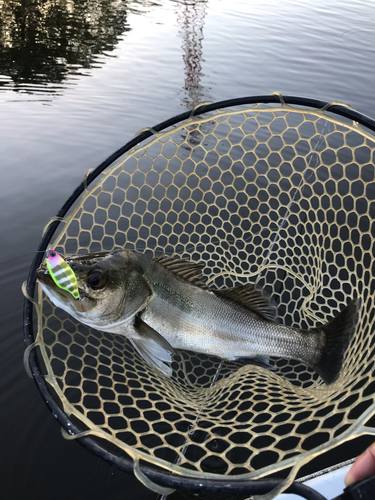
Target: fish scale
(236,329)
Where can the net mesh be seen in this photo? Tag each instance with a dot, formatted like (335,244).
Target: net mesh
(275,195)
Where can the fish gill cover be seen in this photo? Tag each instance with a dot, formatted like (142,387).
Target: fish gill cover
(271,194)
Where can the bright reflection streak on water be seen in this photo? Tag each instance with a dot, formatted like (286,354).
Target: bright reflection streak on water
(77,80)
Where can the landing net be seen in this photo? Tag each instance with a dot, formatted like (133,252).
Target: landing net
(271,193)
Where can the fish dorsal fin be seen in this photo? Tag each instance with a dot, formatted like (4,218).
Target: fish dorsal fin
(253,297)
(189,271)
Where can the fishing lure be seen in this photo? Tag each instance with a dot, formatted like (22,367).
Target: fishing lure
(61,273)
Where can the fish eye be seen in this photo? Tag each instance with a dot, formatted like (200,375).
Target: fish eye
(96,279)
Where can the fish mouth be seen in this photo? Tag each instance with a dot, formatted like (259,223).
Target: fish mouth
(50,288)
(43,275)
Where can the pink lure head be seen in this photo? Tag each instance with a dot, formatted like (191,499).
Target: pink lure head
(54,258)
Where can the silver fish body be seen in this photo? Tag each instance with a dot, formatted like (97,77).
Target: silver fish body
(162,304)
(202,321)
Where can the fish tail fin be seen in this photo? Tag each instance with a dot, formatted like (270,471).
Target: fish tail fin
(338,333)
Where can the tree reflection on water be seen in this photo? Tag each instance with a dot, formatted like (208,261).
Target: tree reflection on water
(190,17)
(42,41)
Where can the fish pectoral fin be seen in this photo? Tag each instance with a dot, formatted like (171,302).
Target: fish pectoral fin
(138,293)
(263,361)
(254,298)
(147,332)
(153,354)
(153,347)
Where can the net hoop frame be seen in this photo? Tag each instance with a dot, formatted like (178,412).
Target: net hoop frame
(213,484)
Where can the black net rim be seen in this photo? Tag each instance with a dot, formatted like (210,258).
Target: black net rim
(225,486)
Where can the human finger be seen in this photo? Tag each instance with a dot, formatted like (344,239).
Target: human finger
(362,467)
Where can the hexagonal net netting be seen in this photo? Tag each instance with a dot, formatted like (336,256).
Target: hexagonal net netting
(277,195)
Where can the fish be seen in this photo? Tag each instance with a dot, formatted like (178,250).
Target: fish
(163,304)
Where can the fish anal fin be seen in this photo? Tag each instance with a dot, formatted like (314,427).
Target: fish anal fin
(189,271)
(253,297)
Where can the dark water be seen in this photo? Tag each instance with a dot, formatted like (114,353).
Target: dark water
(78,78)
